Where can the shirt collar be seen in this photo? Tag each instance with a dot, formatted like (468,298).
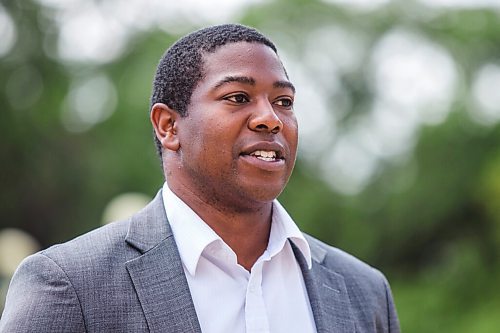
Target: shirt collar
(284,228)
(193,235)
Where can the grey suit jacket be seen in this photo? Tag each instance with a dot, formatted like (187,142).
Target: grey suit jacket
(128,277)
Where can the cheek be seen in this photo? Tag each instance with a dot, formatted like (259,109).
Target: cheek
(192,142)
(213,141)
(291,131)
(201,131)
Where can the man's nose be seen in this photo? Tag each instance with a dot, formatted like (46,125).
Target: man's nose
(265,119)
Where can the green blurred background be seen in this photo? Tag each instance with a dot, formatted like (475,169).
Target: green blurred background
(399,110)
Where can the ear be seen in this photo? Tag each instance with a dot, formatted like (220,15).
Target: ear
(164,120)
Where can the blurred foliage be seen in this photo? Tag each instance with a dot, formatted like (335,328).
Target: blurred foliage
(430,220)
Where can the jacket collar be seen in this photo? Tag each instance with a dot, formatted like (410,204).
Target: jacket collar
(157,274)
(148,227)
(327,292)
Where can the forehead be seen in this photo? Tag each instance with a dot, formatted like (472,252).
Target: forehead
(245,59)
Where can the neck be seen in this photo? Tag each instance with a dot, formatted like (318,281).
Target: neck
(245,230)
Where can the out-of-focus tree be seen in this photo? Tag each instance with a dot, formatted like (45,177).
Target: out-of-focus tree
(398,108)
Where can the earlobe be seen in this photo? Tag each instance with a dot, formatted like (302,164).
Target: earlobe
(164,120)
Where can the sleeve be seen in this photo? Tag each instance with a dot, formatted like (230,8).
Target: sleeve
(392,317)
(41,299)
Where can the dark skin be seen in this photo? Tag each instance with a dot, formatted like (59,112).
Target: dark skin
(233,153)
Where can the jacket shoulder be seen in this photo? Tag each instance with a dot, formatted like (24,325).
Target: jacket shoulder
(103,243)
(97,256)
(340,261)
(76,286)
(368,289)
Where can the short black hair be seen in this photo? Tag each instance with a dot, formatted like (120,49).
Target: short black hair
(181,66)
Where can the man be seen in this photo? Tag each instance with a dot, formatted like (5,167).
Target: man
(214,251)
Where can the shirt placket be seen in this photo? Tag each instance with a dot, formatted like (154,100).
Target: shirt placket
(255,310)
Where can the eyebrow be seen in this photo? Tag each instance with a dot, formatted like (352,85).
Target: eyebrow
(251,81)
(239,79)
(284,84)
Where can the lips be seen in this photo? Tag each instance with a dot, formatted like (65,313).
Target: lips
(264,156)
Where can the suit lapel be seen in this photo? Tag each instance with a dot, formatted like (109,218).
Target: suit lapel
(158,275)
(327,293)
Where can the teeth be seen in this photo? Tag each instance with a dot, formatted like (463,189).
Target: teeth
(264,155)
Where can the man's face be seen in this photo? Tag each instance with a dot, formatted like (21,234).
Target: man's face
(238,141)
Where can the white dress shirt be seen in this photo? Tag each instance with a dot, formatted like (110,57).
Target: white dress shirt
(272,297)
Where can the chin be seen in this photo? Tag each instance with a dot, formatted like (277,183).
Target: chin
(264,193)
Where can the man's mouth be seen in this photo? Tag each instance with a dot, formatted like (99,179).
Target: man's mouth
(268,156)
(265,155)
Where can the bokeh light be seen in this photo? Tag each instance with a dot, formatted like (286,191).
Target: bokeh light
(8,34)
(360,4)
(486,99)
(24,87)
(15,245)
(90,101)
(123,206)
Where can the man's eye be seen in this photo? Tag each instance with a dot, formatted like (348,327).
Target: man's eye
(284,102)
(238,98)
